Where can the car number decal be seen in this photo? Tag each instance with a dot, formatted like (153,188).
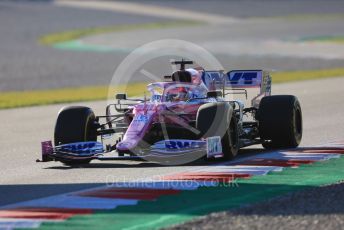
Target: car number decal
(214,147)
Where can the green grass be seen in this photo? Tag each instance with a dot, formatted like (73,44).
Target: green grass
(15,99)
(332,39)
(65,36)
(288,76)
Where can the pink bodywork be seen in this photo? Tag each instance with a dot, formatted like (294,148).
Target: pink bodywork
(146,114)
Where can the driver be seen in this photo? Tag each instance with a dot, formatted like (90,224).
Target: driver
(178,94)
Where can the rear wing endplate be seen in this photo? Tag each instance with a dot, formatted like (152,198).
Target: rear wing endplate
(236,80)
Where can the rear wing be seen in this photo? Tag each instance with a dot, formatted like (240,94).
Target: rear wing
(239,82)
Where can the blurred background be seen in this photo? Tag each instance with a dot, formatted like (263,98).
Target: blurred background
(72,44)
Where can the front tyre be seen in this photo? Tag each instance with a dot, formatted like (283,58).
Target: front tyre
(280,121)
(218,119)
(75,124)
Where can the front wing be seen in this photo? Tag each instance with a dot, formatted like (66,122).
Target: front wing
(211,147)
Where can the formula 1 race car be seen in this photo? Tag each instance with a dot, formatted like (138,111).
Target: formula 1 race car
(191,113)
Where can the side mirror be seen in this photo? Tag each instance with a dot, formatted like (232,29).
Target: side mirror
(121,96)
(214,94)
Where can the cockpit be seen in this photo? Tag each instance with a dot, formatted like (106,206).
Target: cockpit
(173,92)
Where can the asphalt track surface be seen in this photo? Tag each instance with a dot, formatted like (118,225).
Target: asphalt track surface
(23,129)
(25,64)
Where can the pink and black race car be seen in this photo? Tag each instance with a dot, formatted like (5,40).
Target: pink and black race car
(192,114)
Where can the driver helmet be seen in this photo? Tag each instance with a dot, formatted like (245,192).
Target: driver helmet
(195,75)
(201,90)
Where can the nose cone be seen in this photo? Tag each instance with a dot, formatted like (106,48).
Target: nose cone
(126,145)
(136,131)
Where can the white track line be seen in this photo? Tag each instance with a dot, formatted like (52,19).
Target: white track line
(252,170)
(12,223)
(149,10)
(68,201)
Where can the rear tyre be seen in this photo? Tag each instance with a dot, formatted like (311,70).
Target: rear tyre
(75,124)
(217,119)
(280,121)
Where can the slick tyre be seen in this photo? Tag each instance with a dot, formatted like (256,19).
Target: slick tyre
(230,141)
(217,119)
(280,121)
(75,124)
